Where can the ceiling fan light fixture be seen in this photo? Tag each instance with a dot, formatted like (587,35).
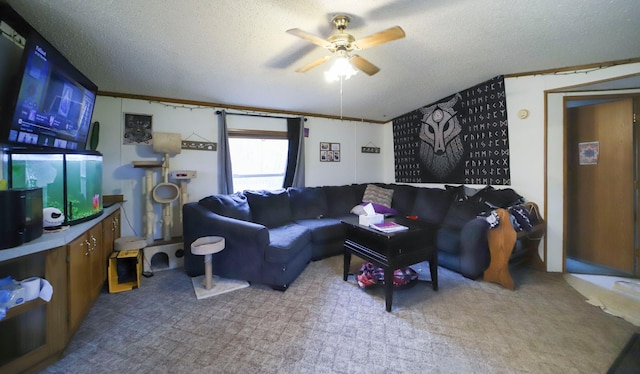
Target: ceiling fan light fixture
(341,69)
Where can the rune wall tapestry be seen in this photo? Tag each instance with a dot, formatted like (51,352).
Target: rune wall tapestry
(460,139)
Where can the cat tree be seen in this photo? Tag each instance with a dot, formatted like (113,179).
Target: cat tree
(164,193)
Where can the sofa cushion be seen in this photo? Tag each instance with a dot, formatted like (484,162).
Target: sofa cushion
(309,202)
(448,240)
(269,208)
(233,205)
(459,193)
(340,199)
(431,204)
(460,212)
(286,241)
(378,195)
(324,230)
(404,197)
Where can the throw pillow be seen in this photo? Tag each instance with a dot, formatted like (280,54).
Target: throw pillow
(378,195)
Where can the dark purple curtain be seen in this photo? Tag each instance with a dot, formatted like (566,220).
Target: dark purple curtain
(294,175)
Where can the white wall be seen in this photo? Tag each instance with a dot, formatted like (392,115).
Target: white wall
(526,138)
(201,124)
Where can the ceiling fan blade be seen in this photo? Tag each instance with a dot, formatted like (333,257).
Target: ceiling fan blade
(309,37)
(381,37)
(364,65)
(313,64)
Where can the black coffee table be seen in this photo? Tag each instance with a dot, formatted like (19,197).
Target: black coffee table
(391,251)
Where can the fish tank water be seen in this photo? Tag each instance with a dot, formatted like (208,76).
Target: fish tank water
(70,181)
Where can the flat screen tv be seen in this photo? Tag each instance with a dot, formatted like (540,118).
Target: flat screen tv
(51,103)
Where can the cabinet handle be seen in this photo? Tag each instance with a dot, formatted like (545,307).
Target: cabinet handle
(88,247)
(95,241)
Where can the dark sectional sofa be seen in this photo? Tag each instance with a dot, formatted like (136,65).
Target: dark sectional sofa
(272,235)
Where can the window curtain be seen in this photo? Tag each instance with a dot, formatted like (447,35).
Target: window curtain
(225,176)
(294,176)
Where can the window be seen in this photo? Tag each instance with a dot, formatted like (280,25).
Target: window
(258,159)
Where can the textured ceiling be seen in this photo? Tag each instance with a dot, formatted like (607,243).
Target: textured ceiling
(238,53)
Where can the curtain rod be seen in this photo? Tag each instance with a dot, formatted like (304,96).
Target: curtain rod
(256,115)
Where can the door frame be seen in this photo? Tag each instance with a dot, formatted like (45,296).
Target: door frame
(590,100)
(552,251)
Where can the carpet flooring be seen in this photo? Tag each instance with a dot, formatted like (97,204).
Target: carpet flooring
(322,324)
(628,362)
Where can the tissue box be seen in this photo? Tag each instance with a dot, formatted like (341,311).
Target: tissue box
(366,220)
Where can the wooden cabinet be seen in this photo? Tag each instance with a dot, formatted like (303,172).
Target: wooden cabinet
(34,333)
(86,273)
(74,261)
(88,260)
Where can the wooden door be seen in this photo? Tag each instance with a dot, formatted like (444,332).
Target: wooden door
(600,192)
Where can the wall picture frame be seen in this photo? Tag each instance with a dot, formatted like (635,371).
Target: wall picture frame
(588,153)
(138,129)
(329,152)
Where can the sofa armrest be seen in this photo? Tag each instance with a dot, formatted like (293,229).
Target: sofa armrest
(245,242)
(474,248)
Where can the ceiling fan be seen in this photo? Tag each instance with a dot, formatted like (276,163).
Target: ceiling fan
(341,44)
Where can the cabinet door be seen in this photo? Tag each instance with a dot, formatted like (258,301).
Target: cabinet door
(97,262)
(110,232)
(107,243)
(79,286)
(116,224)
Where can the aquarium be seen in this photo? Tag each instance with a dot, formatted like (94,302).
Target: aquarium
(70,181)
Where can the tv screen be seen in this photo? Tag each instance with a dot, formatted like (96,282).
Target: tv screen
(53,102)
(12,29)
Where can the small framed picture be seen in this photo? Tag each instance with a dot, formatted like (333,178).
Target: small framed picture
(138,129)
(588,153)
(329,152)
